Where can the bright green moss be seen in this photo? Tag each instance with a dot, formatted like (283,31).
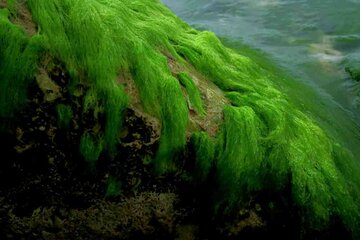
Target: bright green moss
(226,69)
(65,114)
(161,95)
(193,93)
(98,39)
(204,148)
(174,115)
(241,158)
(115,104)
(18,63)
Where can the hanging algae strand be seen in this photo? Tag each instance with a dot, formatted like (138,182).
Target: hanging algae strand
(264,143)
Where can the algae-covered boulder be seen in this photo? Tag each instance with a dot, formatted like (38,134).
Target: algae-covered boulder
(124,87)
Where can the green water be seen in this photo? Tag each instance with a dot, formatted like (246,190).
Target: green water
(313,40)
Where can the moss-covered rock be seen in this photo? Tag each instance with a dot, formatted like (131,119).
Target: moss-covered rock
(247,138)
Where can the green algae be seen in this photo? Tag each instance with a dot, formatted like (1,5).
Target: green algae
(193,93)
(96,40)
(265,143)
(204,148)
(161,96)
(18,64)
